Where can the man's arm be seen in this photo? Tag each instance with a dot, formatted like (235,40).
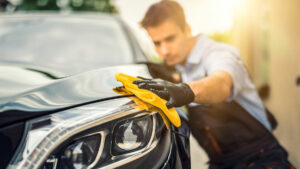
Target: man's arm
(224,81)
(213,89)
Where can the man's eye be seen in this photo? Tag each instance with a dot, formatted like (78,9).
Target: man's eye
(156,43)
(171,38)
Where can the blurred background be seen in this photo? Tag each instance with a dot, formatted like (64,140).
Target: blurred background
(267,33)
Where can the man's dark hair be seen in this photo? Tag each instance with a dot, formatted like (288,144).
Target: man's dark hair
(162,11)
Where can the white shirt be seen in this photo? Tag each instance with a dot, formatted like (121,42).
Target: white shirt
(209,56)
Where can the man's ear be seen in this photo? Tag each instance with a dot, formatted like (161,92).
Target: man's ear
(188,30)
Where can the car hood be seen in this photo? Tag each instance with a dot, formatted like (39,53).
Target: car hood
(27,96)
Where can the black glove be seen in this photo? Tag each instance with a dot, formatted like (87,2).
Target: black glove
(177,95)
(162,71)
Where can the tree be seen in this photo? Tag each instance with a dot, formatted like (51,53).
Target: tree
(71,5)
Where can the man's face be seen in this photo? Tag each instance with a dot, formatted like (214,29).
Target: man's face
(171,42)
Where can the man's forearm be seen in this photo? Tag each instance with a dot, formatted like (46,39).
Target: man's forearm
(212,89)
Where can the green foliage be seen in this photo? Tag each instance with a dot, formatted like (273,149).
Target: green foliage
(73,5)
(224,37)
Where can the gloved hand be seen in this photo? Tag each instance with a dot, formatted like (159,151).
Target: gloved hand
(163,71)
(177,95)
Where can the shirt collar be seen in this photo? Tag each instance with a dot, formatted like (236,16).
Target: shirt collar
(197,51)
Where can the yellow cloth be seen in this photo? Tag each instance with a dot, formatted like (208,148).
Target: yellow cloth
(141,105)
(146,99)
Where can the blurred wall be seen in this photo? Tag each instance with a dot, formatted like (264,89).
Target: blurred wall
(284,68)
(267,33)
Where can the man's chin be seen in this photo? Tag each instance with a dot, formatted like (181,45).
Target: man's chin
(171,62)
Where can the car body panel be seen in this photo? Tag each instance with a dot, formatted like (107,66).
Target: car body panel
(63,93)
(10,138)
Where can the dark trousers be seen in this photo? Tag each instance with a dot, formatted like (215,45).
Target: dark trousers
(233,139)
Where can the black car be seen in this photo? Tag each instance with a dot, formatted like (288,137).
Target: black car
(57,106)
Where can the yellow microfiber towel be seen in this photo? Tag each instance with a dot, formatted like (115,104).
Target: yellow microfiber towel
(141,105)
(146,99)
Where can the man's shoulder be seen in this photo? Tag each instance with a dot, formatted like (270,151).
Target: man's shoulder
(216,46)
(219,53)
(208,46)
(205,47)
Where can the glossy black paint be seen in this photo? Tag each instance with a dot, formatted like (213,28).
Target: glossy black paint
(182,136)
(64,93)
(10,138)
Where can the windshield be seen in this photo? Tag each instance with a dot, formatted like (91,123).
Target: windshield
(70,45)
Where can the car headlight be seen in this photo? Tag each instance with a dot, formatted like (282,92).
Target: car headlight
(78,154)
(92,135)
(130,135)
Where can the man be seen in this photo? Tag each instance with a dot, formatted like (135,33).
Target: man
(227,116)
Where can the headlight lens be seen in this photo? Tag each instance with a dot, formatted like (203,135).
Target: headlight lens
(88,136)
(81,153)
(78,154)
(130,135)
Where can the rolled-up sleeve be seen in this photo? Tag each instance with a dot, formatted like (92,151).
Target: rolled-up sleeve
(230,63)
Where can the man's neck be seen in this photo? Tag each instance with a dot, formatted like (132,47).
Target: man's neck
(191,44)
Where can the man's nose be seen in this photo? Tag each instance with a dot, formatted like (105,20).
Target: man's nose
(164,49)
